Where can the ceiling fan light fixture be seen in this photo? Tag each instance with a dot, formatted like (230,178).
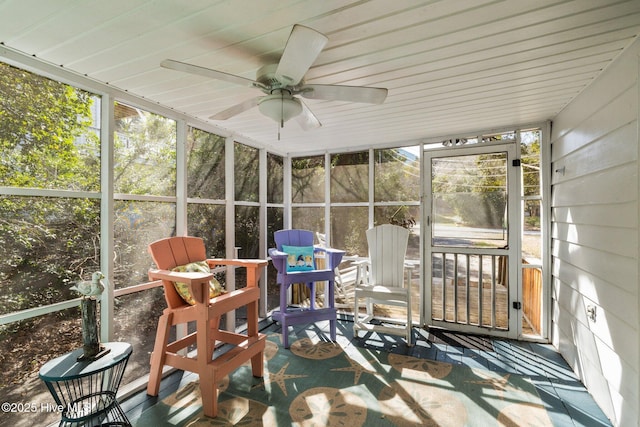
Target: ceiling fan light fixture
(280,107)
(282,80)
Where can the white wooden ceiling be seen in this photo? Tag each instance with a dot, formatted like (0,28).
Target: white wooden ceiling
(451,66)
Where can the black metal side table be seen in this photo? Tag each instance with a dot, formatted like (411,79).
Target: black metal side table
(85,391)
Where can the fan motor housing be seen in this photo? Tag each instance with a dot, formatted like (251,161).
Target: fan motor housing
(266,75)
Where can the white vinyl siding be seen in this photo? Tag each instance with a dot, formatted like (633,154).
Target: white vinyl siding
(595,237)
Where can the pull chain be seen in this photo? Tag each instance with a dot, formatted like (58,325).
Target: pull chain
(281,109)
(281,113)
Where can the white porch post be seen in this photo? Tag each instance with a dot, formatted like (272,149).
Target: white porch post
(286,215)
(181,178)
(230,224)
(107,245)
(327,198)
(262,247)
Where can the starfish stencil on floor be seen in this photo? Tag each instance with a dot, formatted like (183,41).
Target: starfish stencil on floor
(358,369)
(499,383)
(279,378)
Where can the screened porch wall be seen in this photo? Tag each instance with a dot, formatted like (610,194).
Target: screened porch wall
(151,173)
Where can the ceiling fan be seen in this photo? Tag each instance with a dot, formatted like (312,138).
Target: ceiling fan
(282,81)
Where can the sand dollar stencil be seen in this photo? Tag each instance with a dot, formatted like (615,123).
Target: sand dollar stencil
(328,406)
(524,415)
(270,350)
(190,394)
(238,411)
(321,350)
(409,403)
(413,367)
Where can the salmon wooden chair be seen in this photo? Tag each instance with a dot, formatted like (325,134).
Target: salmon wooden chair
(184,270)
(384,282)
(293,257)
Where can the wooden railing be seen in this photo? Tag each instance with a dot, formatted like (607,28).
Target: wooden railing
(532,295)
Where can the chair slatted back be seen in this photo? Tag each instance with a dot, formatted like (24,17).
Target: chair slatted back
(293,238)
(174,251)
(387,250)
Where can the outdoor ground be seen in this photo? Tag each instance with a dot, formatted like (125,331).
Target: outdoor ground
(26,347)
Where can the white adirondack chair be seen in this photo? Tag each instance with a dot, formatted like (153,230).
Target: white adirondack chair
(385,282)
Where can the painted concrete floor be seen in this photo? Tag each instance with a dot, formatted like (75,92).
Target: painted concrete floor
(567,400)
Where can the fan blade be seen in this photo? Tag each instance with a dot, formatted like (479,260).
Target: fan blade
(307,120)
(206,72)
(369,95)
(302,49)
(236,109)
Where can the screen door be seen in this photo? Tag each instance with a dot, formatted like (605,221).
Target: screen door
(471,254)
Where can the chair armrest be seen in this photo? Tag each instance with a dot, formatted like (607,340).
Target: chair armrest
(273,252)
(362,261)
(198,282)
(279,260)
(174,276)
(333,255)
(362,265)
(248,263)
(411,264)
(254,267)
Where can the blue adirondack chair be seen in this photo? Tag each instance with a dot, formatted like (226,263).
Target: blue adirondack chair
(293,258)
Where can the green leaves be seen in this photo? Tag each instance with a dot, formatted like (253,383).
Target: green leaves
(45,135)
